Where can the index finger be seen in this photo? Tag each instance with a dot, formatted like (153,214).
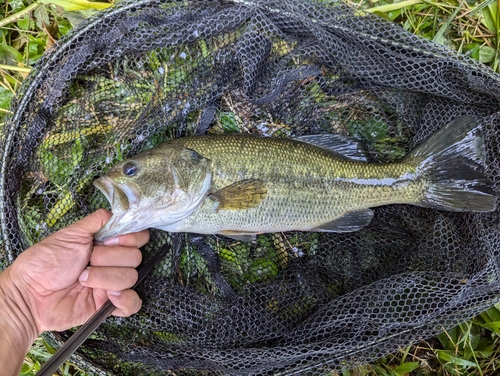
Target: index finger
(134,239)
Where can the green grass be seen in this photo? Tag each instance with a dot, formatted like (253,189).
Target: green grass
(28,28)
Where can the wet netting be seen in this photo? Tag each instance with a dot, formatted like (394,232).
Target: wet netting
(148,71)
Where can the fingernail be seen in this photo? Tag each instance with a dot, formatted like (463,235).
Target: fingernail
(111,241)
(84,275)
(112,292)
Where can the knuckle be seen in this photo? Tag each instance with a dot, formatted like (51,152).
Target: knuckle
(134,275)
(136,256)
(146,236)
(129,277)
(127,303)
(138,305)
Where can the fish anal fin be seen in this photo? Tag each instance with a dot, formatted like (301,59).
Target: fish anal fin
(243,194)
(352,221)
(239,235)
(344,147)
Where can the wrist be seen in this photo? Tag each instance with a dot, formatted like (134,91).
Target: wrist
(17,325)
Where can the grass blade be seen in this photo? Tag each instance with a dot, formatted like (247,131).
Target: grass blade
(17,16)
(393,7)
(439,37)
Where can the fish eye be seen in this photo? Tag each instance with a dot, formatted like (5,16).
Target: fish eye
(130,169)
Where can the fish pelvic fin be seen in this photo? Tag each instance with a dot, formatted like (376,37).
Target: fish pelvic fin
(241,236)
(349,222)
(243,194)
(454,161)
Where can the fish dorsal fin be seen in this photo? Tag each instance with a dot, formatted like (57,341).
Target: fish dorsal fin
(352,221)
(344,147)
(243,194)
(239,235)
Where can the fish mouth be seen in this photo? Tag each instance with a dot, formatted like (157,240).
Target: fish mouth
(123,200)
(116,197)
(130,215)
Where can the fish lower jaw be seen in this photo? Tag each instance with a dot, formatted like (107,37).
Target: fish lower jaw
(121,223)
(134,221)
(110,228)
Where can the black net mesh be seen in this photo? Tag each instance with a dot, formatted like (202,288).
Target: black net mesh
(149,71)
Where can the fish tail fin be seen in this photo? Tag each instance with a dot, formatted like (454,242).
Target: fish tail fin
(454,160)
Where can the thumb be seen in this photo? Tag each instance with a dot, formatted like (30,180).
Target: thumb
(92,223)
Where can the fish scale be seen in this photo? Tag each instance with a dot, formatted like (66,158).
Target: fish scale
(240,185)
(307,186)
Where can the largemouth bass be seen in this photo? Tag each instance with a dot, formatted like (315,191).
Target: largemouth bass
(242,185)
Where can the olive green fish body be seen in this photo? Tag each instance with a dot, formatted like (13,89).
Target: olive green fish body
(241,185)
(307,186)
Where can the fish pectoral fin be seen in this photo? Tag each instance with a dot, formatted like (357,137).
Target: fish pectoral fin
(243,194)
(239,235)
(352,221)
(344,147)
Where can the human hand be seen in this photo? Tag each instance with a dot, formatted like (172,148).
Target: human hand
(51,287)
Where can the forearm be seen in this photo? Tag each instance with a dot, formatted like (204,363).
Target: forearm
(17,329)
